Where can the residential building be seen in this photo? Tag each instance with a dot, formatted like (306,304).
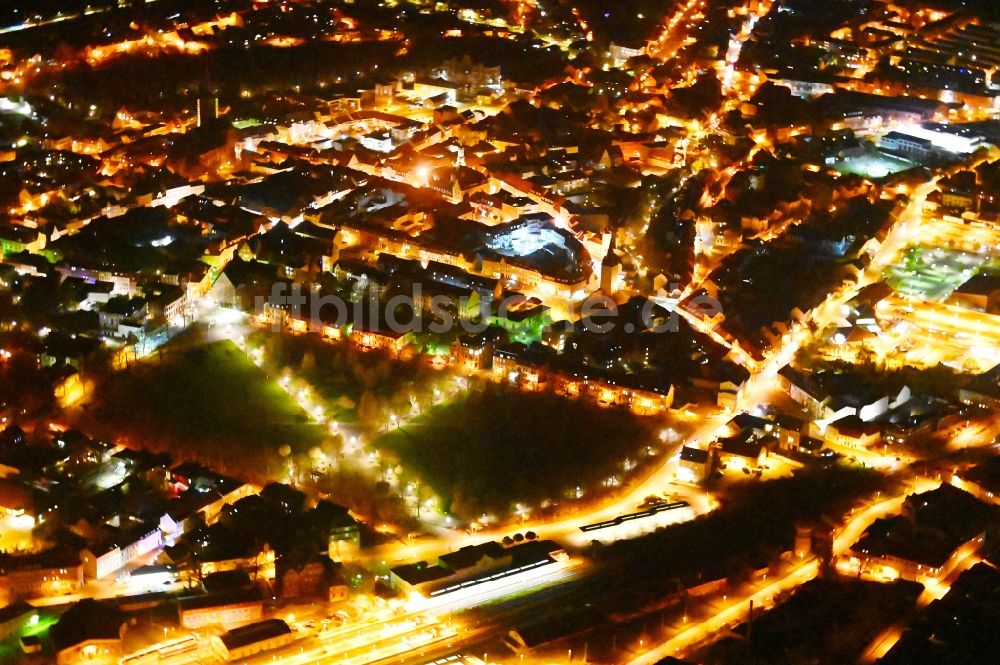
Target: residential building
(114,553)
(54,572)
(370,339)
(120,310)
(790,431)
(15,239)
(852,432)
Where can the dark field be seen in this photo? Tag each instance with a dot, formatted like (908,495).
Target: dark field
(209,399)
(495,447)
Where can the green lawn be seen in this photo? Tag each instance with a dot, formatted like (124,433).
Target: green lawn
(494,447)
(873,165)
(208,398)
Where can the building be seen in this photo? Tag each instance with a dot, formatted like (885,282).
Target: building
(242,283)
(552,632)
(475,560)
(123,284)
(343,531)
(16,617)
(955,628)
(750,425)
(960,191)
(931,140)
(237,555)
(307,580)
(852,432)
(337,590)
(640,397)
(474,352)
(621,53)
(980,292)
(15,239)
(457,184)
(983,390)
(54,572)
(471,77)
(436,90)
(227,581)
(532,253)
(206,110)
(169,303)
(789,431)
(472,565)
(803,389)
(936,531)
(149,466)
(89,632)
(246,641)
(417,576)
(201,491)
(909,146)
(521,366)
(866,111)
(611,270)
(231,608)
(120,310)
(811,446)
(379,141)
(744,450)
(114,553)
(981,481)
(695,464)
(385,90)
(370,339)
(807,84)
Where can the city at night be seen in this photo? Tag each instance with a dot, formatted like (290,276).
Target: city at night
(500,332)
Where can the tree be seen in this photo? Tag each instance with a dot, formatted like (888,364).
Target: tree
(701,98)
(308,364)
(371,411)
(97,365)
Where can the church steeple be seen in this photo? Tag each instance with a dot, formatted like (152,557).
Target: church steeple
(611,268)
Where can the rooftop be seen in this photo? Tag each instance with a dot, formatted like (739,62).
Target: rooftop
(255,632)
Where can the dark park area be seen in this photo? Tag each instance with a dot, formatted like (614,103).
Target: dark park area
(496,447)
